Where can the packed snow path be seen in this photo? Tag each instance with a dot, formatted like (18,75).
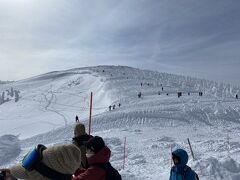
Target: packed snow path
(152,124)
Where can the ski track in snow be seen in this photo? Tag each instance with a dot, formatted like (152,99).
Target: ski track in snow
(152,124)
(53,100)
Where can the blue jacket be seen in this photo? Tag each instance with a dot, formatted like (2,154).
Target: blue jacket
(178,171)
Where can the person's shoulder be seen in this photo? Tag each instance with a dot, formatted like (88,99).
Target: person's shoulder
(191,174)
(79,171)
(90,174)
(173,168)
(96,170)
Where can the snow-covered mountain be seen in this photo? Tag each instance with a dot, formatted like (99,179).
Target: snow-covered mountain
(153,124)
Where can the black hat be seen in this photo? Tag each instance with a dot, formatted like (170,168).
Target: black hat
(96,143)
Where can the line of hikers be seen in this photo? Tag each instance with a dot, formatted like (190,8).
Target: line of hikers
(148,84)
(179,94)
(86,158)
(112,107)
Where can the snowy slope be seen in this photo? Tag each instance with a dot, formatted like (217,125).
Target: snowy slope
(50,101)
(152,124)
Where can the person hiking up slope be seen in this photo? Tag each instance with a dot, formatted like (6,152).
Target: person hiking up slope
(98,155)
(180,170)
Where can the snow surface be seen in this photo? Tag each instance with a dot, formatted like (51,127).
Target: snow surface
(153,124)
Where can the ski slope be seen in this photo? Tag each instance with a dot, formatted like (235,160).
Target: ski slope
(153,124)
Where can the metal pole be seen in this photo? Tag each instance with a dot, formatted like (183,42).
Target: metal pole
(171,154)
(124,152)
(191,148)
(90,115)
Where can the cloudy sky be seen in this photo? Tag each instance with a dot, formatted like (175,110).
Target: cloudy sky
(200,38)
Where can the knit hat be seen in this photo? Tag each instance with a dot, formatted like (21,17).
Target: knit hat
(63,158)
(95,144)
(79,130)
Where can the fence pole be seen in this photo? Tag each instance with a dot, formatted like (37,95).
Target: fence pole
(191,148)
(171,155)
(228,145)
(124,152)
(90,115)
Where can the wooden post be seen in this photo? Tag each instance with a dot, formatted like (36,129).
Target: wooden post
(191,148)
(124,152)
(90,115)
(228,145)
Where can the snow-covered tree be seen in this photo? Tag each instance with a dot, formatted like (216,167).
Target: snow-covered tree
(11,92)
(16,95)
(3,96)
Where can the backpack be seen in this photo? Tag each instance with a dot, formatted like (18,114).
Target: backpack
(111,172)
(186,169)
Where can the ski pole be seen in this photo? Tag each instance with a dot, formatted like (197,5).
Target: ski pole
(190,148)
(124,152)
(171,154)
(90,115)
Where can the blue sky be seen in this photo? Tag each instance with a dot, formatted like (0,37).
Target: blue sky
(188,37)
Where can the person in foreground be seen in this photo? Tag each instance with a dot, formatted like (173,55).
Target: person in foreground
(98,155)
(54,163)
(80,136)
(180,170)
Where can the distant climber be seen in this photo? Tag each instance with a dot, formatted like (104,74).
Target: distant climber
(114,106)
(76,118)
(139,95)
(180,170)
(167,94)
(179,94)
(119,105)
(141,84)
(110,108)
(200,93)
(236,96)
(162,88)
(189,93)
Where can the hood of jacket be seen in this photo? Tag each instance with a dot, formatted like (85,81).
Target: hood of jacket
(182,154)
(103,156)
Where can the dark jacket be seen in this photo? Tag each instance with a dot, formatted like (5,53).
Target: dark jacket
(178,171)
(78,141)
